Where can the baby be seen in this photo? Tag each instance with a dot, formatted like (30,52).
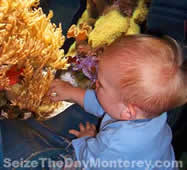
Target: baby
(140,77)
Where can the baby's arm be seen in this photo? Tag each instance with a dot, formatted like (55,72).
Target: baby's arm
(65,91)
(85,98)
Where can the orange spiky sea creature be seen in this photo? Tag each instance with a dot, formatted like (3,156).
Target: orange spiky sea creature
(31,43)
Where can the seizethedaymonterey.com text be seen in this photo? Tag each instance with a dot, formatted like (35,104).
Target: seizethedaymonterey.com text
(68,162)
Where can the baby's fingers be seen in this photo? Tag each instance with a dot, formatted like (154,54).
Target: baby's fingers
(88,125)
(82,128)
(50,91)
(54,83)
(55,98)
(93,126)
(74,132)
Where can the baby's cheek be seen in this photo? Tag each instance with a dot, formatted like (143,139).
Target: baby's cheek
(107,104)
(99,96)
(100,93)
(102,100)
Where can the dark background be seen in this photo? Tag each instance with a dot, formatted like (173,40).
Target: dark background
(66,12)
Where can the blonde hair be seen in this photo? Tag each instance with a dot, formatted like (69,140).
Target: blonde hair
(151,74)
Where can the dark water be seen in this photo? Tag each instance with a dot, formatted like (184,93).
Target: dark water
(66,12)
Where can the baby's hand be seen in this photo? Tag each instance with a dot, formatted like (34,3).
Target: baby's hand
(88,130)
(59,90)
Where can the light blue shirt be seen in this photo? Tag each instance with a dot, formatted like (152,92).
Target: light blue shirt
(137,144)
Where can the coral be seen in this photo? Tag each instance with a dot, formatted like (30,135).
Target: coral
(72,50)
(86,18)
(133,29)
(30,42)
(80,32)
(121,16)
(96,7)
(108,28)
(88,65)
(140,12)
(113,19)
(127,6)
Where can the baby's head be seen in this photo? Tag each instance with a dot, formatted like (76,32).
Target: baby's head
(141,76)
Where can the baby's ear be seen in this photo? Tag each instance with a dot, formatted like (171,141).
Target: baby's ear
(128,113)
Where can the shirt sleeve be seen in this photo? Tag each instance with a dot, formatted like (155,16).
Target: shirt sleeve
(91,104)
(90,148)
